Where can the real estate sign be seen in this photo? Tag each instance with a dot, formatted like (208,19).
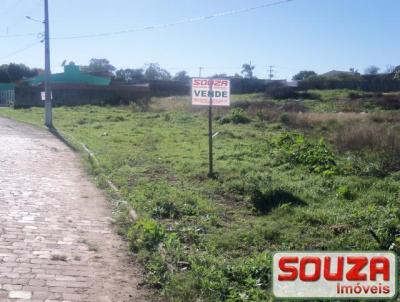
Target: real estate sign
(335,275)
(216,90)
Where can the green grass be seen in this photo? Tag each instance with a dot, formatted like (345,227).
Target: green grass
(212,239)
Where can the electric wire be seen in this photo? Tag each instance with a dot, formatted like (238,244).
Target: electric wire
(157,26)
(26,47)
(166,25)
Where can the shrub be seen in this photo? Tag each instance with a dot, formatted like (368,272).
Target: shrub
(243,104)
(345,193)
(265,201)
(164,201)
(298,120)
(389,102)
(264,195)
(377,144)
(236,116)
(279,91)
(145,233)
(355,95)
(294,107)
(316,156)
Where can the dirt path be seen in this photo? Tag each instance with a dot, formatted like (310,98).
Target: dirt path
(56,238)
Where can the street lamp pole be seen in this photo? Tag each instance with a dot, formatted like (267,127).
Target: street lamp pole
(47,72)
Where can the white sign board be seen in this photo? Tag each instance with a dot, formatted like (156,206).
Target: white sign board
(218,89)
(43,95)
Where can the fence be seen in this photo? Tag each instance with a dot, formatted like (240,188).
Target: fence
(75,95)
(7,97)
(238,86)
(370,83)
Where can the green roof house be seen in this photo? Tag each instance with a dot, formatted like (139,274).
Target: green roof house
(7,94)
(71,75)
(6,86)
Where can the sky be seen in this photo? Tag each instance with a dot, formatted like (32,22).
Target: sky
(318,35)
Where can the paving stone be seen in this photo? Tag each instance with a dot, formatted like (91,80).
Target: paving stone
(19,295)
(51,216)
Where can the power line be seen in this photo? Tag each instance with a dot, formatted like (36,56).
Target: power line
(271,71)
(18,35)
(18,21)
(161,26)
(30,45)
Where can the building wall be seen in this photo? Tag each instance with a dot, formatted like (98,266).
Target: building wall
(69,95)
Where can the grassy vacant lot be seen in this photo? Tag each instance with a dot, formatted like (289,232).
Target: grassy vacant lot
(317,174)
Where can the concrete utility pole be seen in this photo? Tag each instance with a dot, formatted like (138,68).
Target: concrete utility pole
(271,71)
(47,72)
(200,70)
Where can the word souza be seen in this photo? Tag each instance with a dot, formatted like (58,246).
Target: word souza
(335,275)
(206,92)
(214,83)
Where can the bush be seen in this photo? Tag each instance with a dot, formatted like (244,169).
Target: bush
(377,144)
(236,116)
(294,107)
(345,193)
(265,201)
(316,156)
(389,102)
(145,233)
(280,91)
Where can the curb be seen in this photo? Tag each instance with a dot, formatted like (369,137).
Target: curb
(94,162)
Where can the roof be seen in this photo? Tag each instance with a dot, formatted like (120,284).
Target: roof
(71,75)
(6,86)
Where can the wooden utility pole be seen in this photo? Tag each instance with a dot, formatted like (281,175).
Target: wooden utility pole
(47,72)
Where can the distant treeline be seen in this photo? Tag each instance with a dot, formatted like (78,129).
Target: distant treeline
(372,83)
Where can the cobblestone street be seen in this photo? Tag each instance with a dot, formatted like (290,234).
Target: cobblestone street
(57,242)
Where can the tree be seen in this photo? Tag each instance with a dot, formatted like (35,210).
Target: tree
(17,72)
(390,68)
(100,67)
(247,70)
(14,72)
(181,76)
(394,71)
(155,72)
(304,75)
(354,71)
(372,70)
(129,74)
(4,74)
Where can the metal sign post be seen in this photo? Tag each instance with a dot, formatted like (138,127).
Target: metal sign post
(210,135)
(210,92)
